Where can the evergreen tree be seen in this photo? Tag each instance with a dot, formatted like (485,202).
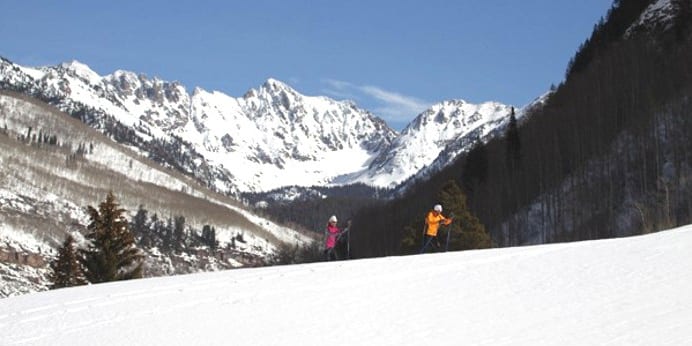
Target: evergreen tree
(66,268)
(467,232)
(209,237)
(140,227)
(179,233)
(112,254)
(156,227)
(412,239)
(167,236)
(513,142)
(213,243)
(476,166)
(683,18)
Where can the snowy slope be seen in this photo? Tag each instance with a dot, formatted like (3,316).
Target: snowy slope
(629,291)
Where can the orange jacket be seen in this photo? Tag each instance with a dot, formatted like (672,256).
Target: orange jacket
(433,223)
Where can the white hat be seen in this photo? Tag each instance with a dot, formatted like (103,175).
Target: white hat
(332,219)
(437,208)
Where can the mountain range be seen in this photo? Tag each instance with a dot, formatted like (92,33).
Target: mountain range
(269,138)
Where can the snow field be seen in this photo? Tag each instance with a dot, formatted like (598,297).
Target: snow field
(629,291)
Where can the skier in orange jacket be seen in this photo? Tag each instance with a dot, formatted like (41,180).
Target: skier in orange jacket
(432,224)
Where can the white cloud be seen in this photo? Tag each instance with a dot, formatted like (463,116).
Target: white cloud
(389,105)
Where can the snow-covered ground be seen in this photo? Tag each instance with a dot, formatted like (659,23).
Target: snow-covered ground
(618,292)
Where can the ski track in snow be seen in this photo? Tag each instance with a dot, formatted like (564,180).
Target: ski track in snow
(625,291)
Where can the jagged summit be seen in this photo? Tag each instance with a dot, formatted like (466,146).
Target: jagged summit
(81,70)
(274,84)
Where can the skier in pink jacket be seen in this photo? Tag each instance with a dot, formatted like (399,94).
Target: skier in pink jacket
(331,233)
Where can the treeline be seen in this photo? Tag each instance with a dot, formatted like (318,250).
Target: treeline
(609,154)
(313,214)
(172,234)
(620,17)
(44,139)
(38,138)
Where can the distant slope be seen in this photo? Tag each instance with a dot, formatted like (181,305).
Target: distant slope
(617,292)
(53,166)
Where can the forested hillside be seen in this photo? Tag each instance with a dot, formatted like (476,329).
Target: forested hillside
(608,155)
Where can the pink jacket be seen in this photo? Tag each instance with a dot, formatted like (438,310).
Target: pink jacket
(332,232)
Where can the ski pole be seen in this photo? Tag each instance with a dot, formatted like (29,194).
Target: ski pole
(348,240)
(449,232)
(348,246)
(346,232)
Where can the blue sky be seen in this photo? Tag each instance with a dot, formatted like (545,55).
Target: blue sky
(394,58)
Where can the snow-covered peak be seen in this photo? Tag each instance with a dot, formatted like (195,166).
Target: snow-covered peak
(274,91)
(123,74)
(284,137)
(448,116)
(81,70)
(124,81)
(274,84)
(198,91)
(456,123)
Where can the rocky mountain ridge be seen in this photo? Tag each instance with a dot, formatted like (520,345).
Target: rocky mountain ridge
(278,136)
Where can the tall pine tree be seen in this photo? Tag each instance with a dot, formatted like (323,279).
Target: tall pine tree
(467,232)
(112,254)
(513,142)
(140,227)
(476,168)
(66,268)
